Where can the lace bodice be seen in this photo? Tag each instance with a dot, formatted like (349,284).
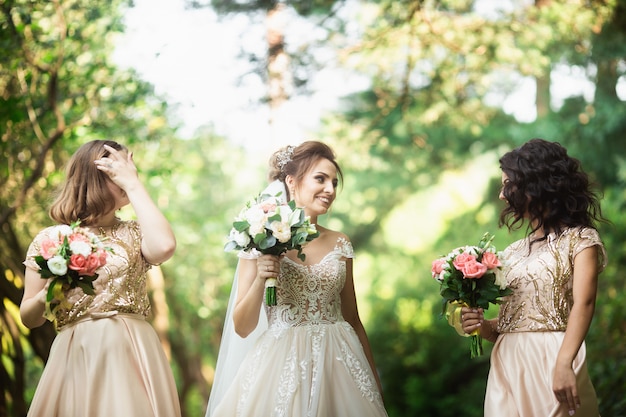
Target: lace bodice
(542,280)
(121,283)
(310,294)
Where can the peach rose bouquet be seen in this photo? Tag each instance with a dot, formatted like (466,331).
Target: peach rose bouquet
(471,276)
(269,226)
(70,255)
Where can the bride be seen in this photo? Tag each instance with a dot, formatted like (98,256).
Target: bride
(309,355)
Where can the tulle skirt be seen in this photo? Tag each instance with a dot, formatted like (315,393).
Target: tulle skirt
(304,371)
(106,367)
(521,374)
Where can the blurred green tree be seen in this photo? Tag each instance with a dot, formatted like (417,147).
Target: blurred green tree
(58,89)
(419,147)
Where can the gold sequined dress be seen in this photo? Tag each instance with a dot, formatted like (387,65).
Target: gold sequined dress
(106,359)
(532,323)
(310,361)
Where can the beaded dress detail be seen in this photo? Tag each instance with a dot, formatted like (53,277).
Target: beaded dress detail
(310,361)
(107,360)
(532,323)
(541,279)
(121,283)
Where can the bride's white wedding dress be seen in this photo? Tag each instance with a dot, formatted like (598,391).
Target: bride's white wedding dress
(309,362)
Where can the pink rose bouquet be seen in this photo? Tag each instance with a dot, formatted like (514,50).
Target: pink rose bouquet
(70,255)
(269,226)
(471,276)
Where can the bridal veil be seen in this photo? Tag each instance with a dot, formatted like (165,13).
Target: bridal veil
(234,348)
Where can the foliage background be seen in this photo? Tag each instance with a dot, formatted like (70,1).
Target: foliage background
(419,147)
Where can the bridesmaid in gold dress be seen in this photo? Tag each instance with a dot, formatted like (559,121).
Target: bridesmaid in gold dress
(106,360)
(538,365)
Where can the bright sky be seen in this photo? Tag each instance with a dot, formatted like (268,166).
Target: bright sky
(191,59)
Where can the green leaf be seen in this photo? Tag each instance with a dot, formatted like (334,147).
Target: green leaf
(230,246)
(241,226)
(267,242)
(274,218)
(50,293)
(86,287)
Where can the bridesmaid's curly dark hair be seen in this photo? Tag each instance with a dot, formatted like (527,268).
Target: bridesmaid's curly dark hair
(548,188)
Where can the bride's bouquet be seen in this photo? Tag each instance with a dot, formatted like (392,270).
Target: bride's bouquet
(70,255)
(270,226)
(471,276)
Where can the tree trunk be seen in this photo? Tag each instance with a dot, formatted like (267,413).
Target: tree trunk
(542,83)
(278,68)
(542,100)
(160,310)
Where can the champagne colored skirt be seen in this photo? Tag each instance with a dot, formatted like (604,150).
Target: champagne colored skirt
(521,374)
(106,367)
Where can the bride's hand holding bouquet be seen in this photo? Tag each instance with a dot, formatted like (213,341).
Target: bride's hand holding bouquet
(269,226)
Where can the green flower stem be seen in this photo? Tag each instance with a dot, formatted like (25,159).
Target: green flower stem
(270,291)
(270,296)
(476,347)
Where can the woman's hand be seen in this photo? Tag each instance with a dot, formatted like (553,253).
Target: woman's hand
(158,241)
(120,168)
(43,294)
(250,290)
(564,387)
(471,319)
(267,266)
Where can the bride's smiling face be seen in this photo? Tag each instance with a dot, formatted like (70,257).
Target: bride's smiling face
(317,190)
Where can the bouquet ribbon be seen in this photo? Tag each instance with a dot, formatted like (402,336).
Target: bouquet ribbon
(453,315)
(55,292)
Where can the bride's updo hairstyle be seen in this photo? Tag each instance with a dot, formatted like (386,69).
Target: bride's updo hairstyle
(298,160)
(84,195)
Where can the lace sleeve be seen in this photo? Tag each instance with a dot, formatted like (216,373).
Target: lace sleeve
(344,247)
